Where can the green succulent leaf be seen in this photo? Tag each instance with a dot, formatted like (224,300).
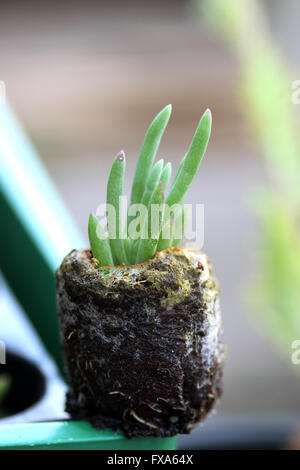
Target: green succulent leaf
(99,246)
(148,152)
(166,175)
(155,218)
(147,246)
(192,161)
(114,192)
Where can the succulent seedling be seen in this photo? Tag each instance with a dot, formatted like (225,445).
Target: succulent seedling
(148,189)
(142,342)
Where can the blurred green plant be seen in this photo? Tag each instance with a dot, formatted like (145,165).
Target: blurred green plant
(148,188)
(5,383)
(266,101)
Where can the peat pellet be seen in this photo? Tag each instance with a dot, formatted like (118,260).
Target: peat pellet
(142,343)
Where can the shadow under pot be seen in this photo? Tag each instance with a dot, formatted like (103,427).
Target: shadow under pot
(22,385)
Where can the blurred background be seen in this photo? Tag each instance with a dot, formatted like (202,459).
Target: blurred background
(86,79)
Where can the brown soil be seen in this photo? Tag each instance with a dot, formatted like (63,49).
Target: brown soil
(142,343)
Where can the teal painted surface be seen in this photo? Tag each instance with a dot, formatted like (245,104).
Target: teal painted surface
(74,435)
(36,230)
(36,233)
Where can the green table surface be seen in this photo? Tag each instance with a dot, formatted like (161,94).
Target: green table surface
(74,435)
